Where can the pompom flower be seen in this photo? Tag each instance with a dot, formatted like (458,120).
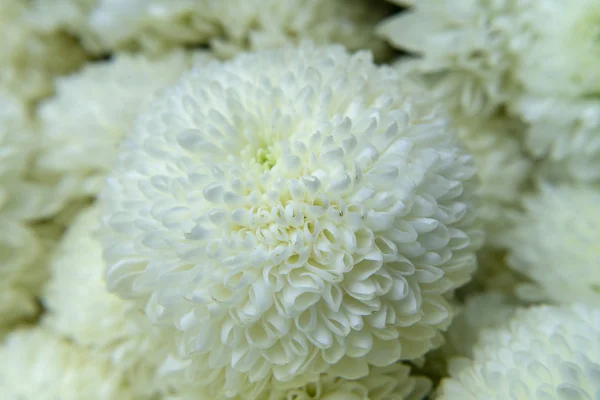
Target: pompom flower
(32,53)
(38,364)
(555,244)
(235,25)
(292,212)
(386,383)
(80,308)
(84,122)
(544,352)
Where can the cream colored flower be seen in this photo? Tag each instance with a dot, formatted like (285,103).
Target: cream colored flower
(292,212)
(33,52)
(555,243)
(39,365)
(543,352)
(80,307)
(564,134)
(92,110)
(470,48)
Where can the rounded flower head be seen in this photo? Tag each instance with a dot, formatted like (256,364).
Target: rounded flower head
(84,122)
(236,25)
(555,244)
(543,352)
(292,212)
(80,307)
(386,383)
(38,364)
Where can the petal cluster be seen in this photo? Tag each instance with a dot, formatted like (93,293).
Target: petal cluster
(79,307)
(292,212)
(84,122)
(555,244)
(37,364)
(544,352)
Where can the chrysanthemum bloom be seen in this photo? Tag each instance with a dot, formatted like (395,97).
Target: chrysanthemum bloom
(469,49)
(564,133)
(80,307)
(543,352)
(38,364)
(21,202)
(555,243)
(292,212)
(387,383)
(84,122)
(32,54)
(231,26)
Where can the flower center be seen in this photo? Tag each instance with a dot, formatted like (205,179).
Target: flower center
(265,158)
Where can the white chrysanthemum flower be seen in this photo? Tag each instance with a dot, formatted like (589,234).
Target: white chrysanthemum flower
(84,122)
(561,59)
(469,48)
(565,134)
(555,244)
(21,202)
(235,25)
(292,212)
(543,353)
(80,307)
(502,167)
(38,364)
(393,382)
(31,53)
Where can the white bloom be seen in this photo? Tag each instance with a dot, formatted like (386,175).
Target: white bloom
(555,243)
(235,25)
(31,53)
(387,383)
(542,353)
(565,134)
(92,110)
(562,59)
(80,307)
(470,48)
(39,365)
(292,212)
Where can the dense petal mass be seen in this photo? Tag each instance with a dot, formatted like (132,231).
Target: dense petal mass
(555,243)
(292,212)
(543,352)
(84,122)
(38,364)
(79,307)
